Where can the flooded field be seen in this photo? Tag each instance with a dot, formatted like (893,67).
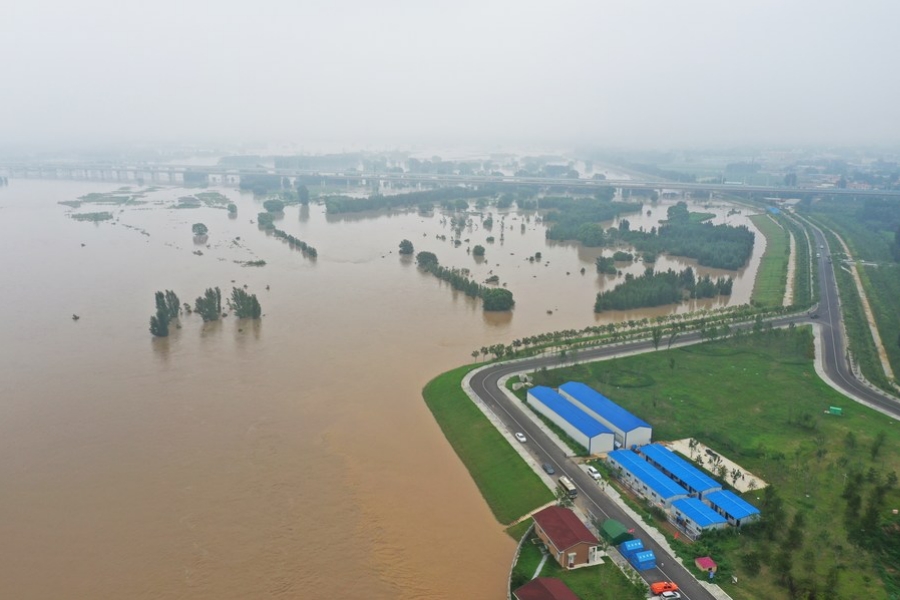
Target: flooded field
(291,457)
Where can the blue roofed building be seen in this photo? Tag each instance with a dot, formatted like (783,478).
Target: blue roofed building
(643,560)
(630,430)
(579,425)
(731,506)
(627,549)
(682,472)
(693,517)
(645,479)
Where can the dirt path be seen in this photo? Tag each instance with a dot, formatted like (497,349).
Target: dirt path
(791,268)
(870,318)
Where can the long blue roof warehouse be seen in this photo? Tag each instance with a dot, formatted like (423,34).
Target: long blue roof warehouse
(695,481)
(694,517)
(582,427)
(734,508)
(630,430)
(646,479)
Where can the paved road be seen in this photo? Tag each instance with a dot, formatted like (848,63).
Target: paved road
(592,500)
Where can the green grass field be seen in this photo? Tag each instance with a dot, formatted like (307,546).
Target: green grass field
(758,400)
(769,287)
(509,486)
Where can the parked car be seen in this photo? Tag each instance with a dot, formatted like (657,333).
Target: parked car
(660,587)
(670,595)
(548,468)
(594,473)
(521,437)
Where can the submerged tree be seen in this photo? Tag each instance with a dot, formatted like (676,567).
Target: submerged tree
(209,305)
(199,229)
(244,305)
(173,305)
(406,247)
(159,323)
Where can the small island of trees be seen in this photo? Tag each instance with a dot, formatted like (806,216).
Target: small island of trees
(657,289)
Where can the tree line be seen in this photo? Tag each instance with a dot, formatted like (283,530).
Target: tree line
(346,204)
(660,288)
(493,299)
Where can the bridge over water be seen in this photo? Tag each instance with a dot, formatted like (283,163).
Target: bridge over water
(180,174)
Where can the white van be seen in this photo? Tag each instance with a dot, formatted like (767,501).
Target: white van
(594,473)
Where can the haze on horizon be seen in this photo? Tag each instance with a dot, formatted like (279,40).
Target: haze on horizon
(618,73)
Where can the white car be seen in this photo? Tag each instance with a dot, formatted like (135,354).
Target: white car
(670,595)
(521,437)
(594,473)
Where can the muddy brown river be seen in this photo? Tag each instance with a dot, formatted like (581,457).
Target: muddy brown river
(287,458)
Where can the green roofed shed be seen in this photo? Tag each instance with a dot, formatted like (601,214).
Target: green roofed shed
(614,532)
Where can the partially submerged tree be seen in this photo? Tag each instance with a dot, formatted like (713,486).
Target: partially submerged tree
(244,305)
(274,206)
(209,305)
(159,323)
(406,247)
(200,229)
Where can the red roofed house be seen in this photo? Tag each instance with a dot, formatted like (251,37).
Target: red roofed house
(570,543)
(544,588)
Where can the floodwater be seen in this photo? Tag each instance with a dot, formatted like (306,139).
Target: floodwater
(287,458)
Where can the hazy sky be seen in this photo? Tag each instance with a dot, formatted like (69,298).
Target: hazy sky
(382,72)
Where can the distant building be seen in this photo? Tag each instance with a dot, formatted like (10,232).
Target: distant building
(645,479)
(731,506)
(544,588)
(694,517)
(628,429)
(568,540)
(577,424)
(682,472)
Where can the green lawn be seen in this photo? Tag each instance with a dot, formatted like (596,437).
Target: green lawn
(509,486)
(758,400)
(769,287)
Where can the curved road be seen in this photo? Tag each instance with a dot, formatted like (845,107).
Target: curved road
(833,360)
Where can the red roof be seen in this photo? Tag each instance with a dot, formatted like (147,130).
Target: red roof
(563,528)
(545,588)
(705,563)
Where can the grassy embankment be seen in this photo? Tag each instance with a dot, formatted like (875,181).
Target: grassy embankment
(769,287)
(758,400)
(509,486)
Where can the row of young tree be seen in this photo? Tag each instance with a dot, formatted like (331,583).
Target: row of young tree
(660,288)
(493,299)
(266,220)
(296,243)
(208,306)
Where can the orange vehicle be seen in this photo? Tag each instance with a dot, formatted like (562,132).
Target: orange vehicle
(663,586)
